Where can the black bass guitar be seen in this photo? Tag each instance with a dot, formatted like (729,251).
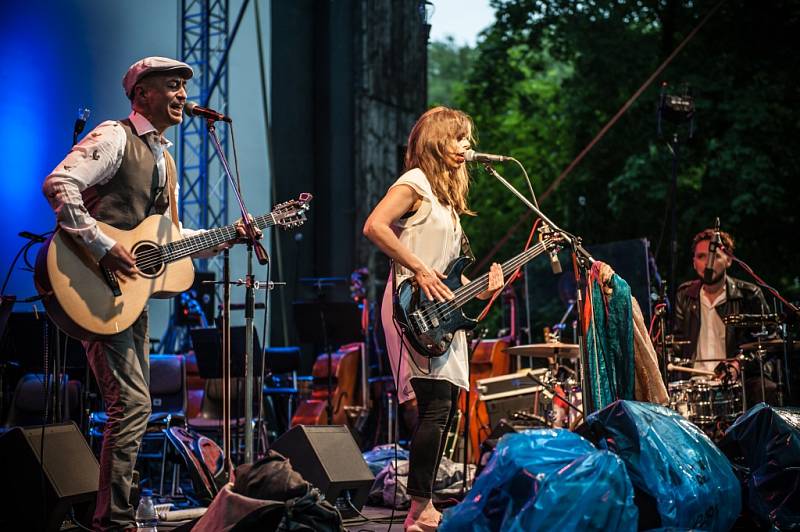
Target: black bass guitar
(430,325)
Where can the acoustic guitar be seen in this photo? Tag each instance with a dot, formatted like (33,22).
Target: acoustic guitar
(88,301)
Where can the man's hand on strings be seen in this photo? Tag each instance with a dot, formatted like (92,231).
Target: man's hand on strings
(120,261)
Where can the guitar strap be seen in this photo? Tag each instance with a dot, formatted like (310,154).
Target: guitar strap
(172,180)
(466,248)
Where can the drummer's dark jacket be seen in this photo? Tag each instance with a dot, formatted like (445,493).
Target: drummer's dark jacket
(741,298)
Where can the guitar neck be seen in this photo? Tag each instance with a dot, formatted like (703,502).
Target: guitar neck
(467,292)
(208,239)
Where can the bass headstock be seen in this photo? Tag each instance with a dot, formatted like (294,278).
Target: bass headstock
(292,213)
(553,240)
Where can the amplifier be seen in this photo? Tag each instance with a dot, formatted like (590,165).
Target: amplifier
(511,385)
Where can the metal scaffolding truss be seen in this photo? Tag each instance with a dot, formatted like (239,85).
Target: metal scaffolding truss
(203,185)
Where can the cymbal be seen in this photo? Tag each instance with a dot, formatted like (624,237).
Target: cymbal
(550,349)
(773,344)
(750,320)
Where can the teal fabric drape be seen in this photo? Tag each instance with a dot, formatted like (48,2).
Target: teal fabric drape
(609,341)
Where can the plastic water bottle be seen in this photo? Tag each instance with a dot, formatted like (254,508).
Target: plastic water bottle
(146,518)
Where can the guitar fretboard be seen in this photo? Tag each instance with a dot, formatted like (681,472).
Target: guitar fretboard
(184,247)
(465,293)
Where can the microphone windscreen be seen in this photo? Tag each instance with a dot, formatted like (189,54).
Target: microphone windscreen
(188,108)
(469,155)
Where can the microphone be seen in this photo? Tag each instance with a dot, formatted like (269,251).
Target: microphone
(708,272)
(192,109)
(80,123)
(473,156)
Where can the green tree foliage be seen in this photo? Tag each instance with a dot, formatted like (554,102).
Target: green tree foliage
(550,73)
(448,65)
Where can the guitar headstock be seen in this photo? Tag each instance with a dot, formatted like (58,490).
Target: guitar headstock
(292,213)
(551,239)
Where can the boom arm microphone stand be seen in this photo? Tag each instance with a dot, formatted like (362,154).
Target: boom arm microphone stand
(582,261)
(261,253)
(791,314)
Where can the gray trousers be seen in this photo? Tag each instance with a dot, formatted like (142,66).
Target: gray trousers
(121,366)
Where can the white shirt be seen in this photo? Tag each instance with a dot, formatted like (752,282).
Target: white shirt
(433,234)
(94,161)
(711,339)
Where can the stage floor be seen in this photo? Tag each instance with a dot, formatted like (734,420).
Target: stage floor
(380,517)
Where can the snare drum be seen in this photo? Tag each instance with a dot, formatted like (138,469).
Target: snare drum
(679,397)
(711,400)
(704,401)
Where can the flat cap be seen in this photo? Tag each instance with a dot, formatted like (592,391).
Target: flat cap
(148,65)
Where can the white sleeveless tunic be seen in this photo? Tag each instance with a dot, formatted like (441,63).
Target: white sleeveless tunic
(433,234)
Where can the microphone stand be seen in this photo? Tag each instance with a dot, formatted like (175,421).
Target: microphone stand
(581,261)
(263,258)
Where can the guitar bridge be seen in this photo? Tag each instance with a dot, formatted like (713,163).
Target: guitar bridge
(111,280)
(420,324)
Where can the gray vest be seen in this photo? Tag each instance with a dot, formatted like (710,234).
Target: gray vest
(132,194)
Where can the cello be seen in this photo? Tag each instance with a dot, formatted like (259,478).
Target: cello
(344,371)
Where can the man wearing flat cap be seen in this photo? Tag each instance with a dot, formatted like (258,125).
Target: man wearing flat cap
(119,174)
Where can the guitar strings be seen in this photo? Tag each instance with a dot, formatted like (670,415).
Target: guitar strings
(466,292)
(180,248)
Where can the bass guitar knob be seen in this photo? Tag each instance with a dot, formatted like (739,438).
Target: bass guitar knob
(448,337)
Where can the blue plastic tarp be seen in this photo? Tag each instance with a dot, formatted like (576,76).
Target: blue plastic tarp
(674,462)
(766,443)
(547,480)
(381,455)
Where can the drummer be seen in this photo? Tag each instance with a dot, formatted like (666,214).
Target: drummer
(700,308)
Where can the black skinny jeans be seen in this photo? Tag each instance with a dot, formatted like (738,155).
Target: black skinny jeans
(437,401)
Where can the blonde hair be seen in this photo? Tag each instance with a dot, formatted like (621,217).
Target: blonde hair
(431,140)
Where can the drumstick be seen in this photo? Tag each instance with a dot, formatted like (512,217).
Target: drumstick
(673,367)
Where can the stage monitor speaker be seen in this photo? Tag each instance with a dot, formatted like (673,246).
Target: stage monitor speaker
(327,456)
(68,475)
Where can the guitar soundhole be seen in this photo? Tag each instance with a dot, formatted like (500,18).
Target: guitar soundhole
(148,258)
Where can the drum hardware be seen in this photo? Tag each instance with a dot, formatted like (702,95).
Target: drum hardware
(531,419)
(671,341)
(751,321)
(771,344)
(550,385)
(546,350)
(759,352)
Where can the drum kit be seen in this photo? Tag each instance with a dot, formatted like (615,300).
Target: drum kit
(713,400)
(561,392)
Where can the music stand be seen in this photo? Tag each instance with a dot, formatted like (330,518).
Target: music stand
(207,344)
(327,323)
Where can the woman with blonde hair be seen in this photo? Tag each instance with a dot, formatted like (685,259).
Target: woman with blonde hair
(417,225)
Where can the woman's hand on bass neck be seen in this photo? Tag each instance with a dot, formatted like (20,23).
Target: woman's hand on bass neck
(496,282)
